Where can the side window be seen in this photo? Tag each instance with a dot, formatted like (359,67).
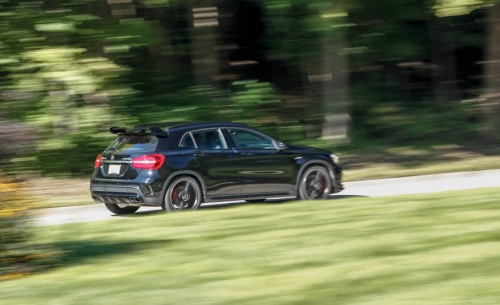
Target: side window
(187,141)
(245,139)
(208,139)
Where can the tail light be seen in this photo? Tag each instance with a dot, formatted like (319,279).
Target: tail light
(98,161)
(149,162)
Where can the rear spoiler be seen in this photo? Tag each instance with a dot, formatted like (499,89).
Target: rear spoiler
(155,131)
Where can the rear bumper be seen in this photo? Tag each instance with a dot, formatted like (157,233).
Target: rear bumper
(136,195)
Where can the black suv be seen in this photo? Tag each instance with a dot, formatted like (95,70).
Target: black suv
(178,167)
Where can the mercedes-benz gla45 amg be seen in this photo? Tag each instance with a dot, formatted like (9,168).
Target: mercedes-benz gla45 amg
(179,167)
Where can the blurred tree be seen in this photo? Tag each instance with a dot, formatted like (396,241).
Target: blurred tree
(20,136)
(56,79)
(492,73)
(491,59)
(307,39)
(401,68)
(413,64)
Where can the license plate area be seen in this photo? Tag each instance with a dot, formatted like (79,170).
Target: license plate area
(114,169)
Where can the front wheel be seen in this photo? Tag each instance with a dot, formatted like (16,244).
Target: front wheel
(315,183)
(184,193)
(120,209)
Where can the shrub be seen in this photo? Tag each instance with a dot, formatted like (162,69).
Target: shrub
(18,256)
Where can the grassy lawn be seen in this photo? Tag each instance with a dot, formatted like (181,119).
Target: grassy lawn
(385,161)
(421,249)
(388,169)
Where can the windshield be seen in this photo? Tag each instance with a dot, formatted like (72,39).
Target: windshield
(133,144)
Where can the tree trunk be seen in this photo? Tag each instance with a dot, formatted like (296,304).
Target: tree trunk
(204,39)
(443,56)
(492,74)
(336,118)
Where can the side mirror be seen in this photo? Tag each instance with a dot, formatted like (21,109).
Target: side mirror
(280,145)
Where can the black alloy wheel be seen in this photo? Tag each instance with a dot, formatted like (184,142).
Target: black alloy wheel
(315,183)
(184,193)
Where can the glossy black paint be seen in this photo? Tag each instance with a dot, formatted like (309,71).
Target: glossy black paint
(226,173)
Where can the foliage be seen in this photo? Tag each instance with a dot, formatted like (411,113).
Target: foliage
(251,102)
(71,69)
(446,8)
(18,255)
(63,90)
(413,71)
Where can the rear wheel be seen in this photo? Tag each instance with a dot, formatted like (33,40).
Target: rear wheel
(183,194)
(120,209)
(315,183)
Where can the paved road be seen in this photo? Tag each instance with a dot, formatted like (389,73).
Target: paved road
(370,188)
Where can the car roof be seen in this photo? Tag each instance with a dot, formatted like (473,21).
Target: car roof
(183,126)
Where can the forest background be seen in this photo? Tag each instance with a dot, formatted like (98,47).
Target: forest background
(311,71)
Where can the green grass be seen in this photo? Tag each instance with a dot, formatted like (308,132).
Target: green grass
(372,162)
(388,169)
(421,249)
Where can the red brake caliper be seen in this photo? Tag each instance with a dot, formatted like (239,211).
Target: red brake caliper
(322,185)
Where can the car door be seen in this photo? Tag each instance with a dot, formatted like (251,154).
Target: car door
(217,163)
(263,167)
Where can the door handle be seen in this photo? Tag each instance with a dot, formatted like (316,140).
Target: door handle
(247,154)
(200,155)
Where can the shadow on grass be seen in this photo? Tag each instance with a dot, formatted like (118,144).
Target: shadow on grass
(233,204)
(347,196)
(221,205)
(142,213)
(75,252)
(287,200)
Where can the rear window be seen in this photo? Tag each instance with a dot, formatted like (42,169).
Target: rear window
(133,144)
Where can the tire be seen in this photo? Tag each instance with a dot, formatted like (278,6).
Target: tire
(183,194)
(315,183)
(120,210)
